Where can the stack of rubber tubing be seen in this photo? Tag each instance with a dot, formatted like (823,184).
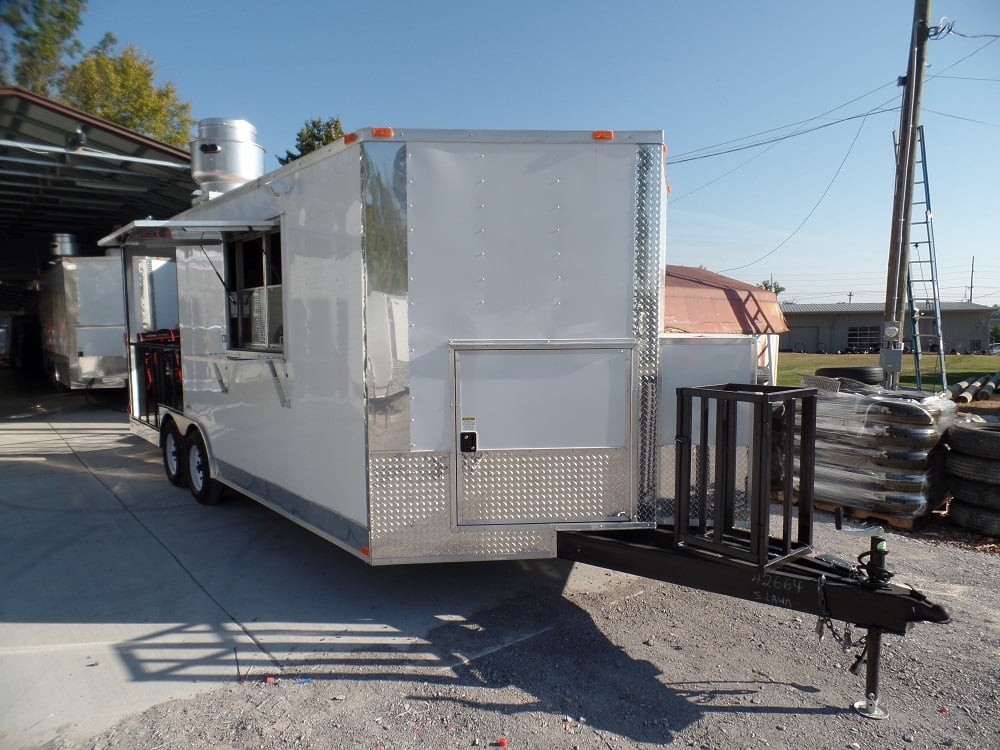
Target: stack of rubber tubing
(879,450)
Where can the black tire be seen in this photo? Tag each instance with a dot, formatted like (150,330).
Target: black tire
(205,489)
(977,469)
(173,452)
(974,518)
(974,493)
(976,439)
(869,375)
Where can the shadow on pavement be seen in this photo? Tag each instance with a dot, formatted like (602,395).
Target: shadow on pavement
(116,578)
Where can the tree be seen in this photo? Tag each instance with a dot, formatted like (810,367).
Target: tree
(38,48)
(36,38)
(122,88)
(314,135)
(772,286)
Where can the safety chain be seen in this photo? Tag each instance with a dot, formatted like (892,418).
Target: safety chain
(824,622)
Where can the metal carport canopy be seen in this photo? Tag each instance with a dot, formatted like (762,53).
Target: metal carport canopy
(63,171)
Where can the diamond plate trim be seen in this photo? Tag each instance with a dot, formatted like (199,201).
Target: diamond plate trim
(646,319)
(411,516)
(544,485)
(667,478)
(405,490)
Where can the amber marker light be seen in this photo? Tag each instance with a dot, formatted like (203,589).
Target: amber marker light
(350,138)
(383,132)
(603,135)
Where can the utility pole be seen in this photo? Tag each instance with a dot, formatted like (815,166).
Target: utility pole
(899,242)
(972,276)
(850,297)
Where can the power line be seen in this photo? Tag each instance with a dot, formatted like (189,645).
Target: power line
(696,154)
(863,115)
(966,119)
(813,210)
(946,27)
(969,78)
(963,59)
(793,124)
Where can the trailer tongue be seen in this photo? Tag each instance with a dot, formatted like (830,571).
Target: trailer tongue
(725,556)
(828,589)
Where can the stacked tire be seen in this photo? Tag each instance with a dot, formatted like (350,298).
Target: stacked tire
(869,375)
(972,469)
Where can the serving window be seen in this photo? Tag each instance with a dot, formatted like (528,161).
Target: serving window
(253,282)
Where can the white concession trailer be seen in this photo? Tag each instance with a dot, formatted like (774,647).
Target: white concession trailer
(444,345)
(423,345)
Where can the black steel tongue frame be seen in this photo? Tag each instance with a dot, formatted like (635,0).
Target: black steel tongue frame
(716,551)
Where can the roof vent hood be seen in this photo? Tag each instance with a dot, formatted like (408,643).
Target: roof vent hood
(224,156)
(65,245)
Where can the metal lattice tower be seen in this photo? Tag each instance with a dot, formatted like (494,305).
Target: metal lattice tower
(923,295)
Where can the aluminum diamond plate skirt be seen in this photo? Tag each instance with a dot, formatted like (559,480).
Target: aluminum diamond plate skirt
(646,320)
(544,485)
(411,516)
(667,478)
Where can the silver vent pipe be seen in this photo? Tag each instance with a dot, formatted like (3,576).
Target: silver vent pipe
(224,156)
(65,245)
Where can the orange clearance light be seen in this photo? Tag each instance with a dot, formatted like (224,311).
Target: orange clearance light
(603,135)
(365,551)
(383,132)
(666,149)
(350,138)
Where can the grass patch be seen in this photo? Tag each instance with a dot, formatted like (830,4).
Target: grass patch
(959,367)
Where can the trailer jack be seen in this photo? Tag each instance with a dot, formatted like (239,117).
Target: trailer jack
(723,546)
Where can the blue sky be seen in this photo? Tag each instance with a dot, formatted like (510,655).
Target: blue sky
(706,73)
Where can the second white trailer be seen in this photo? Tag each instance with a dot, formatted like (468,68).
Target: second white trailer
(82,314)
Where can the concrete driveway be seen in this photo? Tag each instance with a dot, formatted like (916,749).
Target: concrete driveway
(119,591)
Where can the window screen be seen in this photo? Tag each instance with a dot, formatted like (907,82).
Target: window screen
(253,277)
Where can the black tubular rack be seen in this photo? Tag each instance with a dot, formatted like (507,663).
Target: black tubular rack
(709,421)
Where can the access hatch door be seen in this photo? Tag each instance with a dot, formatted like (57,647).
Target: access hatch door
(543,433)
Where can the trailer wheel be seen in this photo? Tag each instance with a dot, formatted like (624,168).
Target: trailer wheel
(206,490)
(172,448)
(974,518)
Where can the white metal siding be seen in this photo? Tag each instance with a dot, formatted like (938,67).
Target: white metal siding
(532,248)
(315,446)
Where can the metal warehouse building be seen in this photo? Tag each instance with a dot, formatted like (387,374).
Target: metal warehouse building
(858,326)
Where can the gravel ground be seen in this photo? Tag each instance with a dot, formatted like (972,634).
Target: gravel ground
(634,663)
